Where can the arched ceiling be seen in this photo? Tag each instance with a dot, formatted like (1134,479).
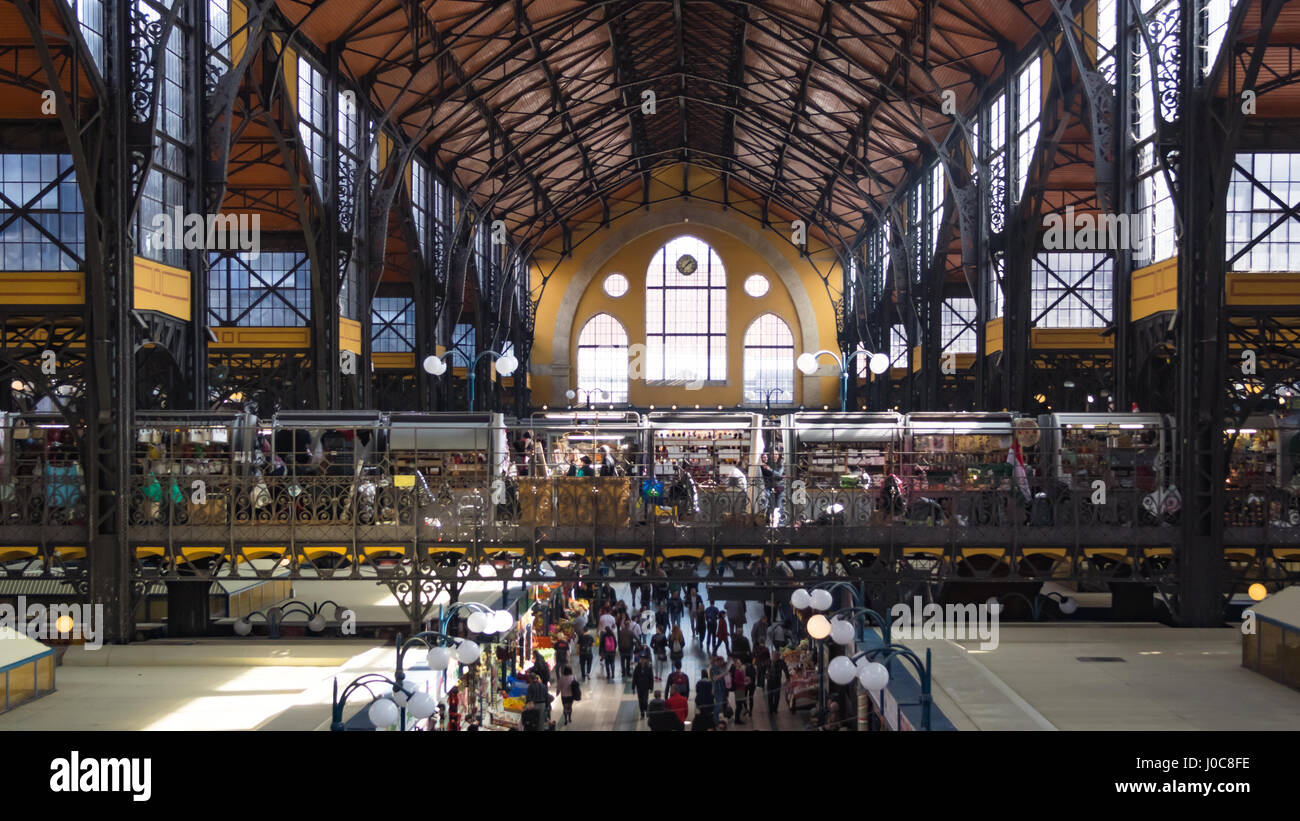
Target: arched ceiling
(536,106)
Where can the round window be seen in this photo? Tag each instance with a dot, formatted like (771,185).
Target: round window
(616,285)
(756,285)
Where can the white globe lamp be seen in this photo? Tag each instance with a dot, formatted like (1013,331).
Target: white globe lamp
(384,712)
(477,622)
(421,705)
(800,600)
(503,621)
(438,658)
(819,627)
(841,631)
(507,364)
(243,628)
(467,652)
(874,676)
(1068,605)
(822,599)
(806,363)
(841,670)
(879,363)
(435,365)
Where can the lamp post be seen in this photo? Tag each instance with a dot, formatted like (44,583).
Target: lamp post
(275,616)
(872,675)
(506,365)
(1068,604)
(574,393)
(878,363)
(767,400)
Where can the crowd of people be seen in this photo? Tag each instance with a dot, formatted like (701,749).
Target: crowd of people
(645,645)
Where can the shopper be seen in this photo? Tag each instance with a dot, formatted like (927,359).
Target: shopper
(661,617)
(679,682)
(704,697)
(626,644)
(678,704)
(569,690)
(751,685)
(608,649)
(675,608)
(740,687)
(698,622)
(586,643)
(775,669)
(606,618)
(537,703)
(661,717)
(676,647)
(561,647)
(542,669)
(758,634)
(736,616)
(718,675)
(643,681)
(710,627)
(722,634)
(659,644)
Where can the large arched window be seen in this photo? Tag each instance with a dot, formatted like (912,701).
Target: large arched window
(602,360)
(769,361)
(686,314)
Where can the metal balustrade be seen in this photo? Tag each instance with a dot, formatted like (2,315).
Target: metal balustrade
(260,499)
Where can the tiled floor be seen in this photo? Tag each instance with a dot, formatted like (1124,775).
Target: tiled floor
(612,705)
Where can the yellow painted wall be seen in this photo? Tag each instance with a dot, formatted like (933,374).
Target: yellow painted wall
(1263,289)
(1154,289)
(632,259)
(162,288)
(42,288)
(350,335)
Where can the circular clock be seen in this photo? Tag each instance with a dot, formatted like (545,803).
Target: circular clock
(686,265)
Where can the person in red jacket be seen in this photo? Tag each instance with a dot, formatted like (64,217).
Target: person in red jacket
(679,705)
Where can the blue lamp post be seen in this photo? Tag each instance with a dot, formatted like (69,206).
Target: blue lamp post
(872,675)
(877,362)
(506,365)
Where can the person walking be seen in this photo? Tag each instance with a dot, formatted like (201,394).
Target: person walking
(661,718)
(542,669)
(659,645)
(608,649)
(736,617)
(537,703)
(561,646)
(698,622)
(568,687)
(676,647)
(661,617)
(718,675)
(626,644)
(678,704)
(758,634)
(722,634)
(740,687)
(678,681)
(711,614)
(643,681)
(704,704)
(675,608)
(775,670)
(586,645)
(751,684)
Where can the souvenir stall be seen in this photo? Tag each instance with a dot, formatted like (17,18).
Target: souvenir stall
(801,690)
(957,451)
(709,466)
(1257,471)
(571,492)
(1124,450)
(841,461)
(41,469)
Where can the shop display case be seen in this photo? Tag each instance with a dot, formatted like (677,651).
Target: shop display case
(1124,450)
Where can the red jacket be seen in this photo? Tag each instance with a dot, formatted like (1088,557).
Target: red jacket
(679,705)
